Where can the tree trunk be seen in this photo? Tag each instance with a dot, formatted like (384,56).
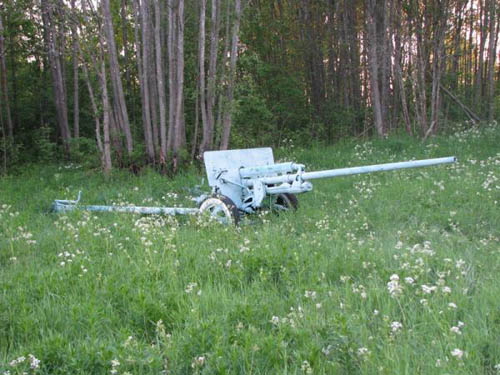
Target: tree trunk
(212,69)
(160,77)
(227,118)
(478,82)
(3,78)
(398,53)
(106,120)
(57,75)
(76,104)
(180,132)
(172,76)
(437,64)
(221,101)
(95,111)
(492,47)
(374,67)
(115,78)
(207,136)
(144,81)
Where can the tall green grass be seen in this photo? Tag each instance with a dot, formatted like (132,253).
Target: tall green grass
(391,273)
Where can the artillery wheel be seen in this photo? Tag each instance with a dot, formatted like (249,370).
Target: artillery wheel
(286,202)
(222,209)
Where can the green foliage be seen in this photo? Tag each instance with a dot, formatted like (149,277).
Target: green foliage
(84,151)
(46,149)
(392,273)
(253,121)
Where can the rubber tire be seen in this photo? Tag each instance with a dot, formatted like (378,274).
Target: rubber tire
(288,200)
(231,207)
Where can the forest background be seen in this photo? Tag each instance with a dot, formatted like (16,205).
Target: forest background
(128,83)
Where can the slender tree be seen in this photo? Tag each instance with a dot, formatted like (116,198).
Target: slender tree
(51,42)
(116,82)
(3,80)
(227,117)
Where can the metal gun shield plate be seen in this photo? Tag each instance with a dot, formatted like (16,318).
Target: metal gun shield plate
(223,166)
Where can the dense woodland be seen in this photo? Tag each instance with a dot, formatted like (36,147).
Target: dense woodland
(125,83)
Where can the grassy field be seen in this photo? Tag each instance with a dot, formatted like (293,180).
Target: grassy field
(390,273)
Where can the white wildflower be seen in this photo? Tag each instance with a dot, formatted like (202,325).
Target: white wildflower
(457,353)
(198,361)
(363,352)
(428,289)
(396,326)
(34,362)
(306,367)
(190,287)
(310,294)
(393,286)
(409,280)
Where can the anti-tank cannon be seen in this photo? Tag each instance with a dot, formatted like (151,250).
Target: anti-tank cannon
(245,181)
(241,180)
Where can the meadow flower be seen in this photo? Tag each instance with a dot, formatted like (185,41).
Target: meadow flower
(16,361)
(396,326)
(34,362)
(452,305)
(460,263)
(306,367)
(275,320)
(326,351)
(428,289)
(198,361)
(363,352)
(395,289)
(190,287)
(409,280)
(310,294)
(457,353)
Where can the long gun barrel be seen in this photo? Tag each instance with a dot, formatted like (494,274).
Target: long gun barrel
(306,176)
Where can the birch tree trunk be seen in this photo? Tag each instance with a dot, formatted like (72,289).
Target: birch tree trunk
(438,53)
(374,67)
(398,53)
(144,81)
(161,84)
(76,104)
(95,111)
(201,59)
(115,78)
(172,76)
(3,78)
(180,132)
(478,82)
(56,72)
(212,70)
(222,100)
(492,47)
(106,120)
(227,117)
